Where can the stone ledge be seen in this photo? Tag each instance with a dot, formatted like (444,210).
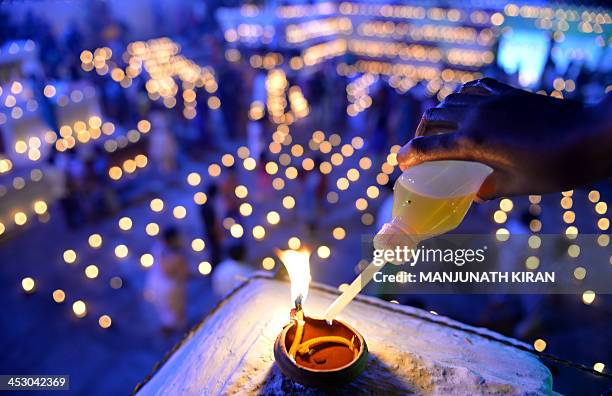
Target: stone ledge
(411,351)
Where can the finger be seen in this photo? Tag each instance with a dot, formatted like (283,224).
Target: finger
(488,189)
(474,90)
(429,148)
(445,114)
(494,86)
(462,100)
(427,128)
(440,120)
(485,86)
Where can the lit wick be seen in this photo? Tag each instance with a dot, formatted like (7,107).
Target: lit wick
(298,317)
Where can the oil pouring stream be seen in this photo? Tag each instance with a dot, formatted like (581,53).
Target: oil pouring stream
(428,200)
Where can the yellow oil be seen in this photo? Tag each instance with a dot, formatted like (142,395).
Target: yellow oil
(426,215)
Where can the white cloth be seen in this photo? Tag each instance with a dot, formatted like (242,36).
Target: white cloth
(168,295)
(228,275)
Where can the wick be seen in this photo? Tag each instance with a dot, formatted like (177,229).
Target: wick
(307,347)
(299,332)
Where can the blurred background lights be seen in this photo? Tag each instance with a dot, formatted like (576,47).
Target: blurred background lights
(91,271)
(58,295)
(105,321)
(146,260)
(121,251)
(197,245)
(268,263)
(28,284)
(79,308)
(70,256)
(179,212)
(204,268)
(95,240)
(323,251)
(588,297)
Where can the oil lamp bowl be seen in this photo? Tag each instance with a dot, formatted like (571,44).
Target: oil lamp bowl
(331,364)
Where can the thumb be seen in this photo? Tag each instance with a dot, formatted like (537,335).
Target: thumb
(430,148)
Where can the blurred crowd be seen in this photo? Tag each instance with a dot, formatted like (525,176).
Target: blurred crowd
(90,195)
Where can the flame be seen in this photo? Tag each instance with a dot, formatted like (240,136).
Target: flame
(297,263)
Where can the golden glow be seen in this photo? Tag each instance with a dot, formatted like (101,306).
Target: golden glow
(236,230)
(594,196)
(534,241)
(288,202)
(200,198)
(70,256)
(125,223)
(95,240)
(339,233)
(323,251)
(502,234)
(259,232)
(506,205)
(588,297)
(204,268)
(20,218)
(571,232)
(194,178)
(214,170)
(105,321)
(91,271)
(273,217)
(146,260)
(268,263)
(249,164)
(157,205)
(361,204)
(198,245)
(179,212)
(294,243)
(227,160)
(500,216)
(241,191)
(152,229)
(28,284)
(40,207)
(532,262)
(539,345)
(79,308)
(58,295)
(579,273)
(121,251)
(573,250)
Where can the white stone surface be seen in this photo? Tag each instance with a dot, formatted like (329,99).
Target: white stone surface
(411,351)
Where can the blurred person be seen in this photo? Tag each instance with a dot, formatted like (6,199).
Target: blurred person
(311,200)
(229,203)
(74,175)
(163,148)
(166,281)
(232,271)
(213,230)
(255,137)
(379,118)
(535,144)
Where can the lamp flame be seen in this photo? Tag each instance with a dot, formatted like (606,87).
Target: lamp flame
(297,263)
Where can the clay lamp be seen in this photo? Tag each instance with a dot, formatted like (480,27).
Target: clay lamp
(309,350)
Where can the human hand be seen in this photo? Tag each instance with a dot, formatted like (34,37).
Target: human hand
(536,144)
